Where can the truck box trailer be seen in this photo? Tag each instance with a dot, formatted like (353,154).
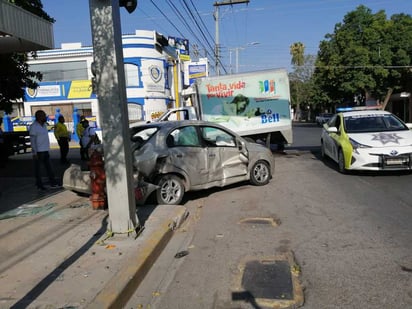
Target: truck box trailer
(256,105)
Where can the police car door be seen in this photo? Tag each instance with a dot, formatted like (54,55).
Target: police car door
(330,138)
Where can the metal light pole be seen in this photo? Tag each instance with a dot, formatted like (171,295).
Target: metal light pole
(216,16)
(236,49)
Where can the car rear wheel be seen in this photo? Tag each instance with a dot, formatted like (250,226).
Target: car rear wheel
(260,173)
(341,162)
(171,190)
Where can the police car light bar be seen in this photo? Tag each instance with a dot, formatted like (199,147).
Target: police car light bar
(358,108)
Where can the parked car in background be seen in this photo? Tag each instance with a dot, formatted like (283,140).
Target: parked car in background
(323,118)
(181,156)
(373,140)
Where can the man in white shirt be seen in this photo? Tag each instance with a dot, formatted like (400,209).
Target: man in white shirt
(40,145)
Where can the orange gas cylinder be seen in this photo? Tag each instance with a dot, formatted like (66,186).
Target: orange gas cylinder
(98,180)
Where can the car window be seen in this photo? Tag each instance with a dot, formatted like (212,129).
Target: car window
(216,137)
(332,121)
(373,123)
(185,136)
(140,136)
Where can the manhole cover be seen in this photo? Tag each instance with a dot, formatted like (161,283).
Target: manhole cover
(271,281)
(268,279)
(262,221)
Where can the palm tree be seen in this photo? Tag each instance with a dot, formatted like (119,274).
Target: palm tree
(297,50)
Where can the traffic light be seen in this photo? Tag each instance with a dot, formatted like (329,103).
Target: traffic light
(130,5)
(160,42)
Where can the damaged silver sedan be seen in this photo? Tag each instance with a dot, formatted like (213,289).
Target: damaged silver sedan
(181,156)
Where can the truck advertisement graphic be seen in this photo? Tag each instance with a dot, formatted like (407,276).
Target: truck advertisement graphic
(248,103)
(256,105)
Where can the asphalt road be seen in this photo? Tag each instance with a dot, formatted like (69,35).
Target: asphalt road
(350,234)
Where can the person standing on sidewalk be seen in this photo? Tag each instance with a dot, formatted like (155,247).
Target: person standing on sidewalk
(89,138)
(40,145)
(79,132)
(63,138)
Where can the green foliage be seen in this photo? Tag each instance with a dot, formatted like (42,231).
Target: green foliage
(297,50)
(15,74)
(301,86)
(367,55)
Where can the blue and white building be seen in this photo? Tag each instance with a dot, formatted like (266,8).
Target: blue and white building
(153,79)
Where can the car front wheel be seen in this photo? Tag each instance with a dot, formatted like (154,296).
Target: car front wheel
(322,151)
(341,162)
(260,173)
(171,190)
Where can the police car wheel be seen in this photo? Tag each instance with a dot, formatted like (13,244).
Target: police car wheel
(341,162)
(322,151)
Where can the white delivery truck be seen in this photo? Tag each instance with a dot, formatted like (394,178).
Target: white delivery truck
(256,105)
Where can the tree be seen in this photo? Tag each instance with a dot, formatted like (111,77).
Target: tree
(15,74)
(297,50)
(367,57)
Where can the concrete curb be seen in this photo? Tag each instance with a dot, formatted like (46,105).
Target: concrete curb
(158,230)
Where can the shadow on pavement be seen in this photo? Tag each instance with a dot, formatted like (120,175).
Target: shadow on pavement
(40,287)
(17,184)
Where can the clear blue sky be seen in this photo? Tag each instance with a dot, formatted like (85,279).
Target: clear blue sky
(272,25)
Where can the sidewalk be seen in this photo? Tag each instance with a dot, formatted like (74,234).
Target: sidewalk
(55,249)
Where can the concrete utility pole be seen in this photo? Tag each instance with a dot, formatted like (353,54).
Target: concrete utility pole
(108,69)
(216,16)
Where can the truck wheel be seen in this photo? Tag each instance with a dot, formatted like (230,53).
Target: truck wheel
(171,190)
(260,173)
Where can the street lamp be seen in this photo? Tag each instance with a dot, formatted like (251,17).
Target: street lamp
(236,49)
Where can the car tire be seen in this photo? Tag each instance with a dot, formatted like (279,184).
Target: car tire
(322,151)
(260,173)
(341,162)
(171,190)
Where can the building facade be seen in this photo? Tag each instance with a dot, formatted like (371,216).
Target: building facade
(67,80)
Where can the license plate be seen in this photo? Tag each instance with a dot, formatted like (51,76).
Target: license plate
(396,161)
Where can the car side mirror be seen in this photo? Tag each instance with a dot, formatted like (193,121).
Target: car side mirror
(332,130)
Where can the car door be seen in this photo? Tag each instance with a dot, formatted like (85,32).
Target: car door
(188,154)
(224,157)
(331,138)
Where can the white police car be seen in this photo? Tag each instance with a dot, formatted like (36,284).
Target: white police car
(367,139)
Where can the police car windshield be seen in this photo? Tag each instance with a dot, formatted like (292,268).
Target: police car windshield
(373,123)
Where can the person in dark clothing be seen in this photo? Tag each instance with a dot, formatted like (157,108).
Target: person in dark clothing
(79,132)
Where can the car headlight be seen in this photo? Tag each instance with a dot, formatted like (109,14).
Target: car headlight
(357,145)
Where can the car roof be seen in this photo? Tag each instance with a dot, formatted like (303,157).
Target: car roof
(365,112)
(178,123)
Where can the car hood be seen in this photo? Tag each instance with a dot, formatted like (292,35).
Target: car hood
(383,139)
